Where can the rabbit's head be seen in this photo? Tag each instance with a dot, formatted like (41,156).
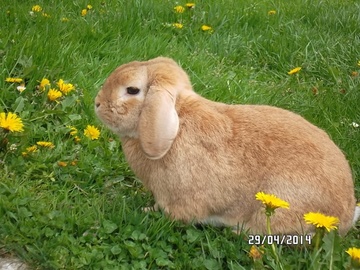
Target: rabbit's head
(138,101)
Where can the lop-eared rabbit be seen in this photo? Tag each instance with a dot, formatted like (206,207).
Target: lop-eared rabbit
(204,161)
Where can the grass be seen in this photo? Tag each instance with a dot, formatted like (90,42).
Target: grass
(87,214)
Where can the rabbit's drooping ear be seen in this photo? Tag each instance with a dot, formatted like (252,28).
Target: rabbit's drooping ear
(159,122)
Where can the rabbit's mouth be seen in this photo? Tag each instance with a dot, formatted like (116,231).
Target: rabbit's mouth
(122,110)
(120,119)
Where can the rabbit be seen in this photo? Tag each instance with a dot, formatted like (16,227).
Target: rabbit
(204,161)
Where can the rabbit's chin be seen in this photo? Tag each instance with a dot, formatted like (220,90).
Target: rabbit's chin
(119,127)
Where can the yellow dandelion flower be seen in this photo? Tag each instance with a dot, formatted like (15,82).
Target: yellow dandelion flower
(73,130)
(321,221)
(206,28)
(14,80)
(358,204)
(255,252)
(92,132)
(43,83)
(36,8)
(83,12)
(64,19)
(65,88)
(54,94)
(89,7)
(62,163)
(74,162)
(77,139)
(31,149)
(45,144)
(179,9)
(178,25)
(190,5)
(354,253)
(271,12)
(271,201)
(11,122)
(294,71)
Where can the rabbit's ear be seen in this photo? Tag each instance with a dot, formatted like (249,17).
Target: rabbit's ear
(159,122)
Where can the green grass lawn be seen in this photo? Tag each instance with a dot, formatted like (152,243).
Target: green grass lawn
(76,204)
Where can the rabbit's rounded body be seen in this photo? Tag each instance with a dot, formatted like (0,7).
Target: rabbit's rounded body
(225,154)
(222,155)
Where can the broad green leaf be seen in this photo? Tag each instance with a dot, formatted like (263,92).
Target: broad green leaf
(109,226)
(19,104)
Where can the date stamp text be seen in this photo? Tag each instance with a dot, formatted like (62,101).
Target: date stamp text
(279,239)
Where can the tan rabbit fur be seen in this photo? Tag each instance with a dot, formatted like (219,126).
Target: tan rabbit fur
(204,161)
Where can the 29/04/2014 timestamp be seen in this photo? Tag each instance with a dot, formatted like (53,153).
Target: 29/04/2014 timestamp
(279,239)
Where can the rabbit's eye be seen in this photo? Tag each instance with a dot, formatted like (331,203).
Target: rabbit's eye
(132,90)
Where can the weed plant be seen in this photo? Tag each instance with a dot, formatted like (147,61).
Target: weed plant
(77,205)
